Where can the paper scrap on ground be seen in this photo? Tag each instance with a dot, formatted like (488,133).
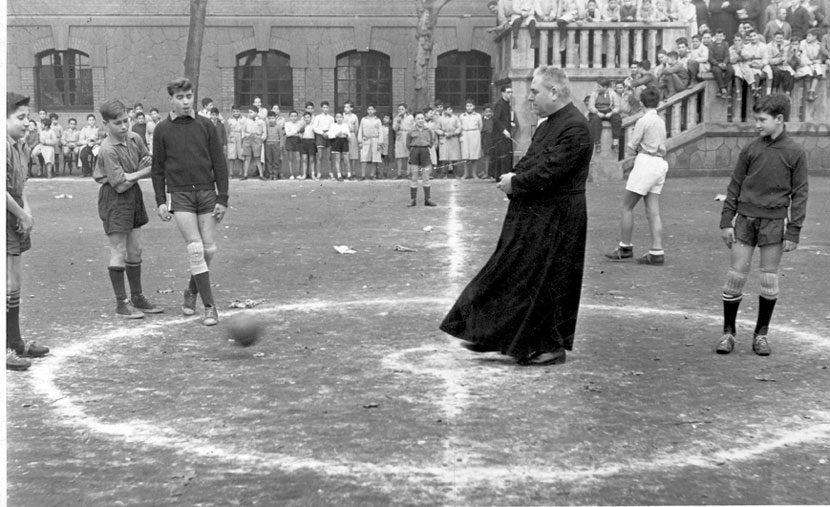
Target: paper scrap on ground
(247,303)
(401,248)
(720,197)
(428,228)
(63,196)
(343,249)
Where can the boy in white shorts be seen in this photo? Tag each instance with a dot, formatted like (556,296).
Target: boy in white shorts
(645,181)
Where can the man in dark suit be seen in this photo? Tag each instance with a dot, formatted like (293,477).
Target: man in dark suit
(503,125)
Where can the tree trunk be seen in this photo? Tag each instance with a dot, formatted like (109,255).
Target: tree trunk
(195,36)
(427,11)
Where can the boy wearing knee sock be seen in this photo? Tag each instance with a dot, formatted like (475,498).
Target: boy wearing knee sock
(189,163)
(765,206)
(122,161)
(418,142)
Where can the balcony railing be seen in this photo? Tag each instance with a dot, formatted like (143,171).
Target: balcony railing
(589,45)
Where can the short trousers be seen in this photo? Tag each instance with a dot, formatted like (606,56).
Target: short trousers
(121,212)
(292,144)
(759,231)
(307,147)
(199,202)
(340,145)
(252,147)
(648,175)
(419,156)
(321,141)
(16,243)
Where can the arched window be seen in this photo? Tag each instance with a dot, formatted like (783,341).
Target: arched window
(63,80)
(264,74)
(460,76)
(364,78)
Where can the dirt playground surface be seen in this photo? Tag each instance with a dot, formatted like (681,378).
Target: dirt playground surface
(354,397)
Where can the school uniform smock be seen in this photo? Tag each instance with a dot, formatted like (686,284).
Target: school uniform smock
(471,125)
(402,124)
(369,136)
(449,131)
(236,126)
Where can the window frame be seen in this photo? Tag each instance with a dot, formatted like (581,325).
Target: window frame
(71,81)
(457,78)
(370,81)
(261,85)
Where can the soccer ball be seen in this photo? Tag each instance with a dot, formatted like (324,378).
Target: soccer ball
(245,330)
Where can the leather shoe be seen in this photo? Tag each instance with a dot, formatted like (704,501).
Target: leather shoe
(543,358)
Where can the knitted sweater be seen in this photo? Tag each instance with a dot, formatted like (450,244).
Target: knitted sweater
(188,156)
(770,180)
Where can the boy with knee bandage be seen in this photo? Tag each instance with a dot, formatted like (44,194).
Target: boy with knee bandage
(765,206)
(188,161)
(122,161)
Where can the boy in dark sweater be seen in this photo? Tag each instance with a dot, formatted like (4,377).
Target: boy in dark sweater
(189,163)
(765,206)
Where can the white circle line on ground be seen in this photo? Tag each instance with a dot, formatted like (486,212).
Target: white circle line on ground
(69,411)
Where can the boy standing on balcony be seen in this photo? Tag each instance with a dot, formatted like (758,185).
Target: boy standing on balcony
(765,206)
(645,181)
(604,105)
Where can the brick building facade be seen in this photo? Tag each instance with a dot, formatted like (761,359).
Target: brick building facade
(130,49)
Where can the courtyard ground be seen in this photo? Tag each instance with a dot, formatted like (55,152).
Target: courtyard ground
(354,397)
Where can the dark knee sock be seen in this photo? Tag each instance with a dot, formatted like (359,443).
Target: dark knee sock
(192,288)
(134,277)
(427,193)
(765,308)
(730,313)
(413,193)
(13,340)
(117,279)
(203,283)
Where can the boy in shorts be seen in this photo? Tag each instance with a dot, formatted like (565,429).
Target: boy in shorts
(765,206)
(321,125)
(19,223)
(418,143)
(645,181)
(189,163)
(253,137)
(122,161)
(308,149)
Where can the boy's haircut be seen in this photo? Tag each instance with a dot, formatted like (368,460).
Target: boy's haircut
(14,101)
(605,83)
(681,40)
(214,110)
(403,104)
(324,103)
(492,2)
(645,65)
(348,103)
(112,109)
(270,114)
(138,104)
(695,37)
(234,106)
(815,32)
(293,111)
(419,113)
(469,101)
(154,109)
(661,51)
(650,97)
(505,88)
(47,122)
(71,120)
(370,105)
(91,115)
(180,84)
(777,33)
(719,30)
(441,102)
(53,116)
(140,115)
(309,103)
(773,105)
(672,54)
(206,101)
(306,113)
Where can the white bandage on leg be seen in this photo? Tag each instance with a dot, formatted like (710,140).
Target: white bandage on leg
(196,253)
(734,286)
(769,284)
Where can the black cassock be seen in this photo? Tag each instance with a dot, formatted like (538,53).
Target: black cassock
(526,298)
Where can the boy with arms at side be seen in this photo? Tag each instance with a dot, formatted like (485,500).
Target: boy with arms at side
(122,161)
(308,149)
(418,142)
(370,138)
(235,129)
(471,125)
(253,137)
(293,127)
(353,122)
(321,125)
(19,223)
(188,162)
(646,181)
(765,206)
(273,145)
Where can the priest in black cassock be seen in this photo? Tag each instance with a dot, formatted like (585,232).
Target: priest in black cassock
(524,301)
